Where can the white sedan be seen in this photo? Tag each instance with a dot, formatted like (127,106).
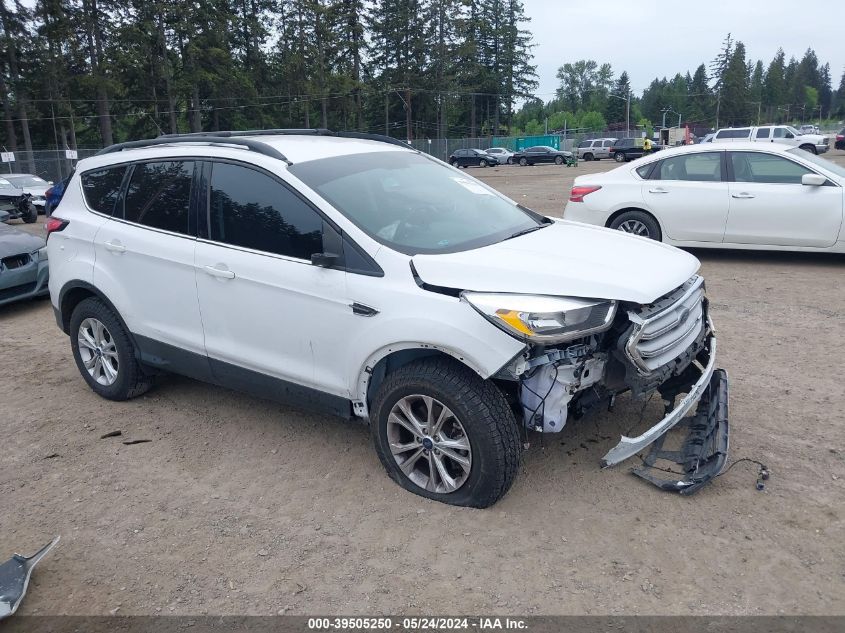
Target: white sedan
(745,195)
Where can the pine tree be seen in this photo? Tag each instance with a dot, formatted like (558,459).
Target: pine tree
(735,89)
(616,109)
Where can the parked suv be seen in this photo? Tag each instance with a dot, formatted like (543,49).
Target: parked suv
(472,158)
(626,149)
(352,275)
(595,149)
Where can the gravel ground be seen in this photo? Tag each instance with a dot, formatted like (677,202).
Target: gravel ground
(240,506)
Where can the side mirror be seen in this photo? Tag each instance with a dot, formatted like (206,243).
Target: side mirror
(790,135)
(324,260)
(813,180)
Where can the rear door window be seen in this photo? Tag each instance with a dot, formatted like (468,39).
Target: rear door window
(738,133)
(159,195)
(764,132)
(101,188)
(251,209)
(697,167)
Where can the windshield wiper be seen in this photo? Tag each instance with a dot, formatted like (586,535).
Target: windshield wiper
(528,230)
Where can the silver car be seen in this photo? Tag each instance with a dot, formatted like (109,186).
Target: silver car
(33,185)
(504,156)
(595,149)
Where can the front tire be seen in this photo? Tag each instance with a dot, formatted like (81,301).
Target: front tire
(637,223)
(443,433)
(510,161)
(588,157)
(482,163)
(104,352)
(809,148)
(558,160)
(30,213)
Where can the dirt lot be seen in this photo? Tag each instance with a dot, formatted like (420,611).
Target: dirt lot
(239,506)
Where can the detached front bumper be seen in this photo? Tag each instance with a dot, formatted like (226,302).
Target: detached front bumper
(705,450)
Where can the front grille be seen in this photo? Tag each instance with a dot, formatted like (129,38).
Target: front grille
(15,261)
(664,329)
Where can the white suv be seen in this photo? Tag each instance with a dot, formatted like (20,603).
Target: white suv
(350,274)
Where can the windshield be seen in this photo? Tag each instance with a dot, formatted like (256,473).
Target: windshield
(28,181)
(824,163)
(793,130)
(5,184)
(414,204)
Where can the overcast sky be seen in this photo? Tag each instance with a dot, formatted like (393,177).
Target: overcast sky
(681,34)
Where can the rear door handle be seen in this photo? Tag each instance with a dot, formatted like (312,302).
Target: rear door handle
(741,196)
(218,271)
(114,246)
(660,190)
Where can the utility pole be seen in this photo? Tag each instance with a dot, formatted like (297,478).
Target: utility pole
(408,113)
(387,113)
(628,115)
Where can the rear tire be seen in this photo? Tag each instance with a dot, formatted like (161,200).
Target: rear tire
(125,378)
(523,162)
(619,157)
(637,223)
(477,417)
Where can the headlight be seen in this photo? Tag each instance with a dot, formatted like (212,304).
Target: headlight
(40,255)
(543,319)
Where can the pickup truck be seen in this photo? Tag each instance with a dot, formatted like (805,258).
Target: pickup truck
(786,134)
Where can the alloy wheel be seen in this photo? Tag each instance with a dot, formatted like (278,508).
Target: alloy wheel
(98,351)
(636,227)
(429,443)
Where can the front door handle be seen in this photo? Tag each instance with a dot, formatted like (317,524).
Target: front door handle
(659,190)
(114,246)
(218,270)
(741,196)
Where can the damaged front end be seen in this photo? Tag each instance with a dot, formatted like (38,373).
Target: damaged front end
(668,348)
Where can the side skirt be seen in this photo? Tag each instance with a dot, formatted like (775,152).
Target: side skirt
(164,357)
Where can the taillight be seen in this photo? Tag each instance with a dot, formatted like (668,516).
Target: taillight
(54,225)
(577,194)
(48,193)
(840,137)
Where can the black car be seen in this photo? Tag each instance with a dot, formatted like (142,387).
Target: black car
(626,149)
(840,140)
(542,154)
(472,158)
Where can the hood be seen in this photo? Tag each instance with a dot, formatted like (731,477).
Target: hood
(815,138)
(37,191)
(14,241)
(565,259)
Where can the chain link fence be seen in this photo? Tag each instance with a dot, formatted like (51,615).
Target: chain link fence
(52,165)
(49,164)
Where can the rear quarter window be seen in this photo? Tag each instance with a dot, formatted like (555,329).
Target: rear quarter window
(101,188)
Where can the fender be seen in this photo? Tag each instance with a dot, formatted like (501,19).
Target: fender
(365,373)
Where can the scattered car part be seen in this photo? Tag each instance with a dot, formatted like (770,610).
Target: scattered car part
(14,578)
(705,449)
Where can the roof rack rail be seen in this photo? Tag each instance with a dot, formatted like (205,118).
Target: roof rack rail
(215,138)
(241,137)
(299,132)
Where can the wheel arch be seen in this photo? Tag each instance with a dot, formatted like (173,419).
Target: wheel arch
(619,212)
(75,292)
(390,358)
